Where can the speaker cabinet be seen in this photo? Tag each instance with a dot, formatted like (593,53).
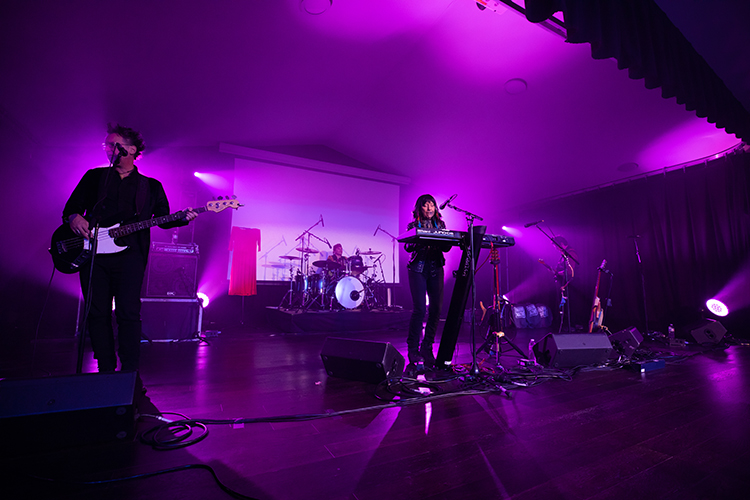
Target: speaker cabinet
(171,319)
(625,342)
(362,360)
(708,332)
(59,412)
(172,271)
(572,349)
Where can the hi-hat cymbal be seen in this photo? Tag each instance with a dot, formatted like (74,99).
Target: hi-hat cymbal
(306,250)
(370,252)
(277,265)
(289,257)
(327,264)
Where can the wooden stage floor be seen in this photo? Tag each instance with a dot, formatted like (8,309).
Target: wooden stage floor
(679,432)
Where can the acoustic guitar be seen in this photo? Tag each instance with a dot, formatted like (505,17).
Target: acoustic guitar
(597,311)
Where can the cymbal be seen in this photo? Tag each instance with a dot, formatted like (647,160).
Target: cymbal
(327,264)
(289,257)
(370,252)
(275,264)
(306,250)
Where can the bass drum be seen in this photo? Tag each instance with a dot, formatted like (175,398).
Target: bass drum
(350,292)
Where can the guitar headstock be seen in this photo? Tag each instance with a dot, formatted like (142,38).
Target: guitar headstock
(494,256)
(222,203)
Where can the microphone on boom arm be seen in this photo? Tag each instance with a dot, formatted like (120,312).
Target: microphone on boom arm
(533,223)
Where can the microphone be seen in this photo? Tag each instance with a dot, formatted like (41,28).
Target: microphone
(321,221)
(120,150)
(445,203)
(328,243)
(533,223)
(376,231)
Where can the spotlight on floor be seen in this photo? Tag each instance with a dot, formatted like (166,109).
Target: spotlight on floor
(717,307)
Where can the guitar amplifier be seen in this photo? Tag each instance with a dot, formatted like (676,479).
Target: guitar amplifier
(171,319)
(172,271)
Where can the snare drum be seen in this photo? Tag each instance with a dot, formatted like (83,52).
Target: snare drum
(350,292)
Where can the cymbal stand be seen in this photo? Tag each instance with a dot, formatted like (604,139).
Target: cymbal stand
(289,296)
(470,223)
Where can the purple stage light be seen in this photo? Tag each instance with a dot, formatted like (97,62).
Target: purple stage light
(204,299)
(717,307)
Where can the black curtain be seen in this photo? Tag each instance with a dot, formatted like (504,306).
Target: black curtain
(640,36)
(692,229)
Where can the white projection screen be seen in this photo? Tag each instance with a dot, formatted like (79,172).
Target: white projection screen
(284,202)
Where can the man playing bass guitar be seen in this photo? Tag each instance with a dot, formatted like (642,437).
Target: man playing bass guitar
(117,193)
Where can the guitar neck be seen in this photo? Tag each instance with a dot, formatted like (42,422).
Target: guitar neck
(127,229)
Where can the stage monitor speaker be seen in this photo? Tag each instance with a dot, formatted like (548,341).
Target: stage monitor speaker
(172,271)
(625,342)
(708,331)
(362,360)
(59,412)
(568,350)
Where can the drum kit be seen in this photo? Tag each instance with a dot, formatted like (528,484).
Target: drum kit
(333,286)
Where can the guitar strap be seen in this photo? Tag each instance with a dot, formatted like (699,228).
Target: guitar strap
(142,192)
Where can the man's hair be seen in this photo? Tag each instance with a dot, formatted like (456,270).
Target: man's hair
(132,136)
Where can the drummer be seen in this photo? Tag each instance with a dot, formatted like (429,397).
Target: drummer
(338,255)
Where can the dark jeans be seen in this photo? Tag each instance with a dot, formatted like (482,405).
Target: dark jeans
(432,285)
(118,275)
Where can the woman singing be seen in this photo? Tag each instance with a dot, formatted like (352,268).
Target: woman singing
(425,276)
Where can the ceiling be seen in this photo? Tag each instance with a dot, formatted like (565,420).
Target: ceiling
(457,99)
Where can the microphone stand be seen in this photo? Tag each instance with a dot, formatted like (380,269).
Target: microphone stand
(393,256)
(93,245)
(470,222)
(643,280)
(265,259)
(564,295)
(301,239)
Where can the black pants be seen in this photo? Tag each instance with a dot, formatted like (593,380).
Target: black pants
(429,282)
(118,276)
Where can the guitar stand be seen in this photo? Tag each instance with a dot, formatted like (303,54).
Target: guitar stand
(495,336)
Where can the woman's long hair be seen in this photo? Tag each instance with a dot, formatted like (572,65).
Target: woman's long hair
(417,212)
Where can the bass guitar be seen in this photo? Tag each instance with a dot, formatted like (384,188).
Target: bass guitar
(70,251)
(597,311)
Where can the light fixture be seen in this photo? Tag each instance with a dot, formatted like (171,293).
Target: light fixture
(717,307)
(315,7)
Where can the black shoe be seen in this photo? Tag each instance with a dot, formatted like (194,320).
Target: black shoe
(427,356)
(415,358)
